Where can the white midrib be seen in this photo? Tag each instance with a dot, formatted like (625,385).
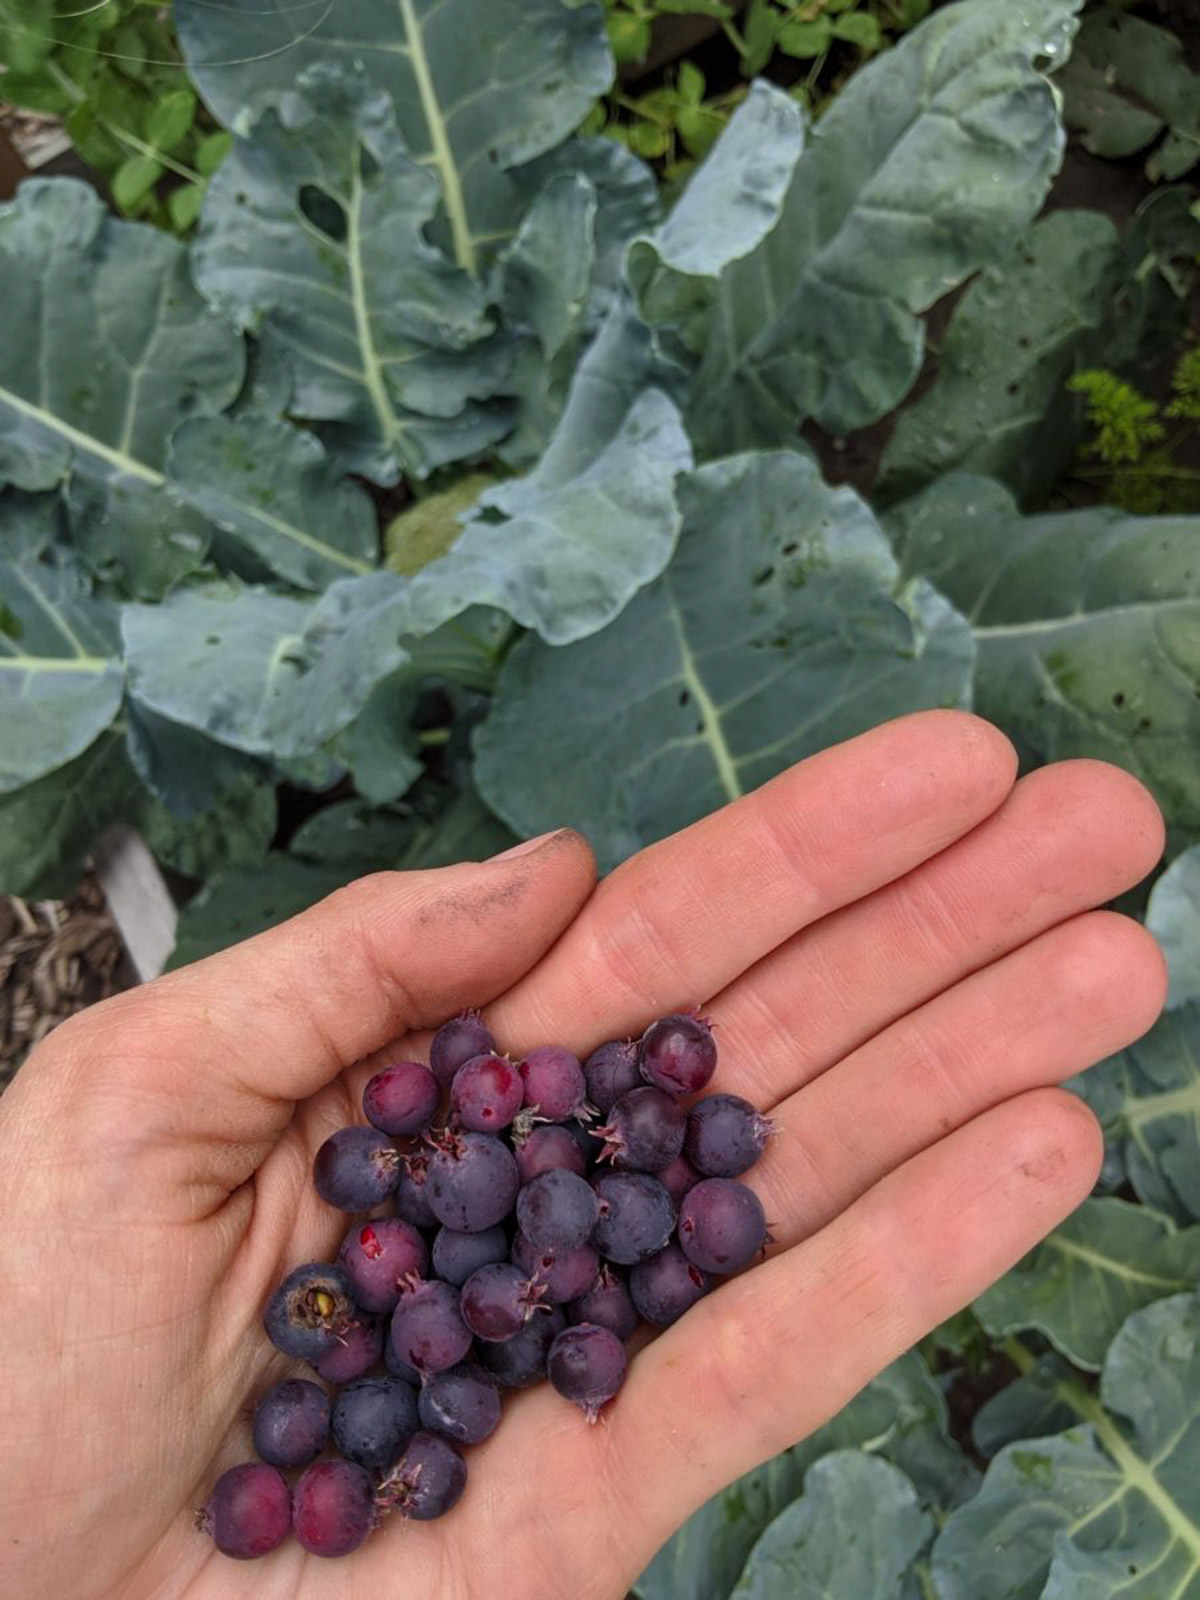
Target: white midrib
(372,367)
(1077,619)
(711,732)
(1114,1269)
(439,139)
(83,441)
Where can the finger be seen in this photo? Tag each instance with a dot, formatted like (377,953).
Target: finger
(219,1051)
(684,917)
(1067,838)
(775,1353)
(1049,1010)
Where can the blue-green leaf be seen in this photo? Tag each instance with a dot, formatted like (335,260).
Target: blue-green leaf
(1173,917)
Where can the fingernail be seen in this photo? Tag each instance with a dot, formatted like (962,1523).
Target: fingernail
(527,846)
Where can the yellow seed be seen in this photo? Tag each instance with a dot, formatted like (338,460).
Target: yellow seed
(324,1303)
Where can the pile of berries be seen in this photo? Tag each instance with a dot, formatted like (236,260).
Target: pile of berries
(524,1240)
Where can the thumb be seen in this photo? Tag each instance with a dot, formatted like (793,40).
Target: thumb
(213,1056)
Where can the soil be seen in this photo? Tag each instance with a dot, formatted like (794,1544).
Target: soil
(56,957)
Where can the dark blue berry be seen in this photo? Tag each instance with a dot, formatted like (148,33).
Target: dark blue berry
(610,1072)
(665,1285)
(412,1190)
(356,1168)
(644,1130)
(427,1329)
(355,1351)
(607,1302)
(636,1217)
(562,1274)
(557,1211)
(521,1361)
(553,1080)
(311,1309)
(498,1300)
(725,1135)
(473,1181)
(427,1480)
(587,1364)
(548,1147)
(721,1225)
(456,1042)
(373,1420)
(460,1404)
(457,1255)
(291,1423)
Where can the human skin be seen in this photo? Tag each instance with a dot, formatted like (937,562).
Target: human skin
(900,948)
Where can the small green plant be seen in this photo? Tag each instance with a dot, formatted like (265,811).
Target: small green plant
(114,75)
(1138,454)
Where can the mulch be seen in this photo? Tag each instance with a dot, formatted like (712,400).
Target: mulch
(56,957)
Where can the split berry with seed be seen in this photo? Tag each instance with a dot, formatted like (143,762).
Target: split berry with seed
(554,1086)
(402,1099)
(249,1511)
(333,1507)
(557,1211)
(291,1423)
(587,1364)
(356,1168)
(455,1043)
(378,1256)
(427,1481)
(677,1054)
(644,1131)
(486,1094)
(721,1225)
(725,1135)
(310,1311)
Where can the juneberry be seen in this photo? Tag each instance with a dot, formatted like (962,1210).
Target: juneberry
(412,1190)
(636,1216)
(665,1285)
(427,1481)
(521,1361)
(486,1094)
(554,1086)
(644,1130)
(310,1311)
(721,1225)
(610,1072)
(725,1135)
(548,1147)
(562,1274)
(677,1178)
(378,1256)
(587,1364)
(355,1351)
(402,1099)
(333,1507)
(473,1181)
(677,1054)
(608,1302)
(498,1300)
(356,1168)
(373,1420)
(456,1042)
(557,1211)
(291,1423)
(249,1512)
(461,1404)
(427,1329)
(455,1256)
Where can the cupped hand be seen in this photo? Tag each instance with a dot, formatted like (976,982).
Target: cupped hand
(899,946)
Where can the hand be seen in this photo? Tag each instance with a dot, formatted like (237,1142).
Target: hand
(899,947)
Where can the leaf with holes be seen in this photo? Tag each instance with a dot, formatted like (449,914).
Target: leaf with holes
(1107,1508)
(1148,1101)
(1125,82)
(314,230)
(263,672)
(778,629)
(105,347)
(1088,626)
(999,404)
(274,492)
(478,89)
(1077,1287)
(1173,917)
(919,173)
(60,670)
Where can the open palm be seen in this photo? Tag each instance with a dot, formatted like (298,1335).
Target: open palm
(899,947)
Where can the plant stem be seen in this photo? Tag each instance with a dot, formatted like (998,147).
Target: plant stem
(1184,474)
(122,135)
(735,38)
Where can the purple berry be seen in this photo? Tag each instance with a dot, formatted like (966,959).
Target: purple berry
(557,1211)
(549,1147)
(678,1178)
(461,1405)
(610,1072)
(721,1225)
(473,1181)
(412,1190)
(587,1364)
(553,1080)
(356,1168)
(249,1512)
(677,1054)
(354,1353)
(521,1361)
(457,1255)
(427,1480)
(486,1094)
(636,1216)
(373,1420)
(725,1135)
(427,1329)
(607,1302)
(562,1274)
(333,1507)
(455,1043)
(498,1300)
(311,1309)
(291,1423)
(402,1099)
(378,1256)
(644,1130)
(400,1369)
(665,1285)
